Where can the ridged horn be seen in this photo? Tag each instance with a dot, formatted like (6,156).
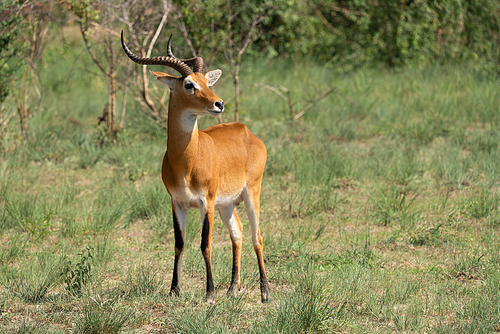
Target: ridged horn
(176,64)
(196,62)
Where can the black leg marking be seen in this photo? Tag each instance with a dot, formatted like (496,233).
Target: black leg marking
(205,250)
(179,247)
(264,287)
(179,242)
(234,276)
(205,234)
(235,287)
(176,287)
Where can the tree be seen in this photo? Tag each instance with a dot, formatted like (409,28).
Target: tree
(243,26)
(9,30)
(347,34)
(97,22)
(30,90)
(229,27)
(144,24)
(23,35)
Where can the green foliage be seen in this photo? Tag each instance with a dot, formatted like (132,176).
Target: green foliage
(77,276)
(28,213)
(10,28)
(38,227)
(217,318)
(394,32)
(86,11)
(352,34)
(373,206)
(107,212)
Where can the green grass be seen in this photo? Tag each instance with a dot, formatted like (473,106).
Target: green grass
(380,210)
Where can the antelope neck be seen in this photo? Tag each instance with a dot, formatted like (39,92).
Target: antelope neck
(182,141)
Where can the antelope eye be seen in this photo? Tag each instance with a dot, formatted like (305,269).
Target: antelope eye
(189,86)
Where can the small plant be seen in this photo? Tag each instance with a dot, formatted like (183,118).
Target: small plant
(38,227)
(77,276)
(133,172)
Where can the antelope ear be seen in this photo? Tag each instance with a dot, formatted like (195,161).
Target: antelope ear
(212,77)
(167,79)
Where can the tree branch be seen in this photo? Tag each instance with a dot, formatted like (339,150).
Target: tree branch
(159,29)
(91,52)
(248,37)
(300,114)
(185,35)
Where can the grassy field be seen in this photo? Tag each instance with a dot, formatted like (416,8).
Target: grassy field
(380,210)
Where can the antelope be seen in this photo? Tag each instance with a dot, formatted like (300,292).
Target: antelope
(215,168)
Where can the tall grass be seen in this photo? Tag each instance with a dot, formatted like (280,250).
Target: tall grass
(379,209)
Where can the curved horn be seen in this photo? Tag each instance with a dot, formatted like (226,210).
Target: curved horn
(176,64)
(196,62)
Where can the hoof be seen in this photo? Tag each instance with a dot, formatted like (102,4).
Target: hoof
(264,296)
(210,298)
(175,292)
(235,290)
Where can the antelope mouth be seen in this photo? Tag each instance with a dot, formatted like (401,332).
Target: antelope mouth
(215,112)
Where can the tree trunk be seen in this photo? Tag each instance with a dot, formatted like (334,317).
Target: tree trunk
(22,104)
(236,92)
(112,106)
(124,105)
(145,93)
(23,118)
(236,98)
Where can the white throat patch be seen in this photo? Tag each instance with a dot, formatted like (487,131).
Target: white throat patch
(189,121)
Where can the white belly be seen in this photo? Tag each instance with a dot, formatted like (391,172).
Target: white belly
(221,201)
(195,199)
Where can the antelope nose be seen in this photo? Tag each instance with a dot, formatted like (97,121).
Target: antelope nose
(219,105)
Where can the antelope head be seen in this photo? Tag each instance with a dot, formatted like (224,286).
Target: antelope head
(190,91)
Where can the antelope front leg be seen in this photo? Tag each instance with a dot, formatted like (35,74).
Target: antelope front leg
(206,248)
(179,214)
